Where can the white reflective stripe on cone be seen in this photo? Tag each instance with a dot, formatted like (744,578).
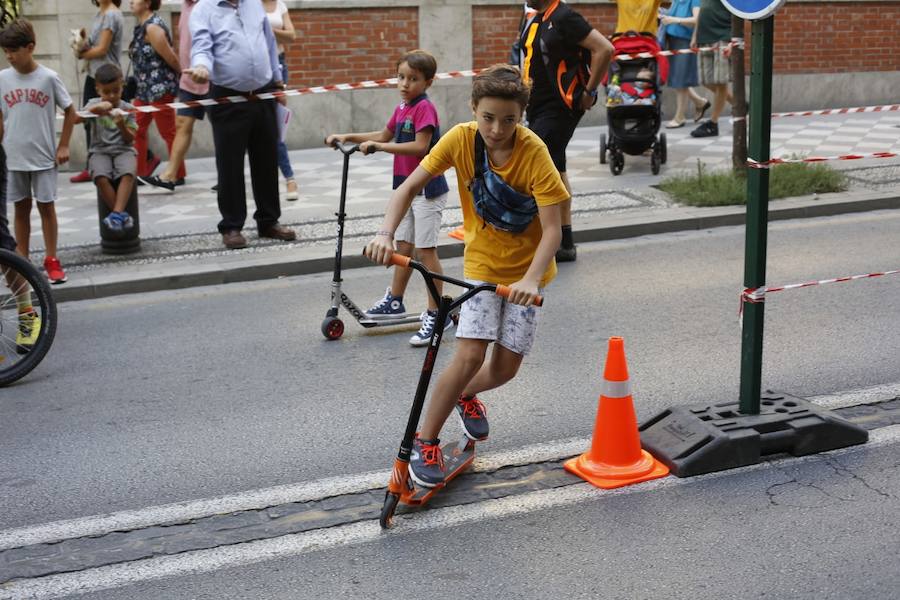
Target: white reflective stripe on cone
(616,389)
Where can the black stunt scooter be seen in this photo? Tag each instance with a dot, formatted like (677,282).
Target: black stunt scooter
(458,456)
(332,326)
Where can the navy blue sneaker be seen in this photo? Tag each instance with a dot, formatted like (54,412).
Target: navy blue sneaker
(473,418)
(426,463)
(389,307)
(423,336)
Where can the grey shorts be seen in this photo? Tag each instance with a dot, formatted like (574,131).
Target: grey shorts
(38,185)
(112,166)
(487,316)
(715,66)
(421,224)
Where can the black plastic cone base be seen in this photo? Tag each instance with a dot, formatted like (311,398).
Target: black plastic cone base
(698,439)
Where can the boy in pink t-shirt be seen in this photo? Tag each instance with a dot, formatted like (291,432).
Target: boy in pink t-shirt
(410,133)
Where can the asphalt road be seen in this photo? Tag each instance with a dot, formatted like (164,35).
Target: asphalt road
(817,530)
(158,398)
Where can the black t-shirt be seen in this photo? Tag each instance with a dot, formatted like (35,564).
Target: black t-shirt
(567,29)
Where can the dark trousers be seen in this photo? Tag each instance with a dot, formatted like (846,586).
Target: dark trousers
(89,92)
(239,129)
(7,241)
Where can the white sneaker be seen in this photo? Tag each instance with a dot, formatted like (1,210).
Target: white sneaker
(423,336)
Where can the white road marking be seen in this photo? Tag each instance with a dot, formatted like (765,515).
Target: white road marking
(862,396)
(205,561)
(332,486)
(258,499)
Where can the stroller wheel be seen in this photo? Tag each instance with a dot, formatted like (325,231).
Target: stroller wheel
(602,148)
(663,151)
(617,163)
(655,161)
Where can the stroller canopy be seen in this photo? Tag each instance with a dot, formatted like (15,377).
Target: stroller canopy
(632,43)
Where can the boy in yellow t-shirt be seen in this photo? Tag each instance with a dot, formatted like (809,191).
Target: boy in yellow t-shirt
(523,261)
(637,15)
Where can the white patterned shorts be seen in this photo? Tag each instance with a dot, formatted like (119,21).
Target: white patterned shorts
(487,316)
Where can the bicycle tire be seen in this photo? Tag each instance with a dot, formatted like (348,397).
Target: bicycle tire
(16,364)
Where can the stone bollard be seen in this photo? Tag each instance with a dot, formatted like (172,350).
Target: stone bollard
(125,242)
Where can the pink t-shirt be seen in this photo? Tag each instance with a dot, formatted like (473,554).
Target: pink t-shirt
(184,50)
(407,120)
(411,118)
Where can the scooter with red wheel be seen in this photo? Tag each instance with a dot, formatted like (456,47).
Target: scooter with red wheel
(333,326)
(458,456)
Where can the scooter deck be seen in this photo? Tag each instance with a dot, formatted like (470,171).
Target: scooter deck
(458,456)
(403,320)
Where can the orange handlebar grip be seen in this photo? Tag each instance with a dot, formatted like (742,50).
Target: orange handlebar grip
(398,260)
(503,292)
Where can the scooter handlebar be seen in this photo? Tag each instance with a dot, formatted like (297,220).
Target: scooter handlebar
(399,260)
(344,147)
(503,291)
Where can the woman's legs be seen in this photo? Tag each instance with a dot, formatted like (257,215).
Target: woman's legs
(284,159)
(140,137)
(184,132)
(89,93)
(165,124)
(680,96)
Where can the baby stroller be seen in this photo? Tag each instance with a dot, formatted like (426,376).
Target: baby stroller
(634,100)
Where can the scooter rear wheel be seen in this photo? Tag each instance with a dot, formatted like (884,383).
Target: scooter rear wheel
(386,520)
(332,328)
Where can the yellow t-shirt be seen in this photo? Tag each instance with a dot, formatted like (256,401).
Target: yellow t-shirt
(492,255)
(637,15)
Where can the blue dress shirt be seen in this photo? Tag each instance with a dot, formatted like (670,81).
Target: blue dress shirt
(235,43)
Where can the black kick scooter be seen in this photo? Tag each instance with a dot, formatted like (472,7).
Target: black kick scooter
(458,456)
(332,326)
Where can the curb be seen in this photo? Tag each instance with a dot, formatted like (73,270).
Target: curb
(312,260)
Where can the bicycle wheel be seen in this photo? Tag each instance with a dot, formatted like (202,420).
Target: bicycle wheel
(27,317)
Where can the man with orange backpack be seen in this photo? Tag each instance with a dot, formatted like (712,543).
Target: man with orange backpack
(565,59)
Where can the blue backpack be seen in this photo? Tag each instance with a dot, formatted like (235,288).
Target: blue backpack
(498,203)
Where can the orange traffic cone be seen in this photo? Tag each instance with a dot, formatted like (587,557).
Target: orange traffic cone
(616,458)
(459,233)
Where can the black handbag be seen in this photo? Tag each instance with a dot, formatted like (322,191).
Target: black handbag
(130,89)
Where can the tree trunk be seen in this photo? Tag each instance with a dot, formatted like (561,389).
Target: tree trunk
(739,94)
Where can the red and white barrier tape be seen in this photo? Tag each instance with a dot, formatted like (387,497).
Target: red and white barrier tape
(758,295)
(374,83)
(767,164)
(736,42)
(839,111)
(321,89)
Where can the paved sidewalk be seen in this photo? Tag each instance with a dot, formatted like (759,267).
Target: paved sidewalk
(178,230)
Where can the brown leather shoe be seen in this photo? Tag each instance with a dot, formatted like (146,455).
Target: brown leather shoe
(278,232)
(233,240)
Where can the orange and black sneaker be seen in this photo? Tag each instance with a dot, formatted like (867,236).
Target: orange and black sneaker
(473,418)
(426,463)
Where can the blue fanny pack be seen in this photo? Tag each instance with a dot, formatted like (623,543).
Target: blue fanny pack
(498,203)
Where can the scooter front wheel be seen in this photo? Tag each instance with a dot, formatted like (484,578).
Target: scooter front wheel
(332,328)
(387,511)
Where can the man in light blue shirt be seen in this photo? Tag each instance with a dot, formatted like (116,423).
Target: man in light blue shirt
(233,47)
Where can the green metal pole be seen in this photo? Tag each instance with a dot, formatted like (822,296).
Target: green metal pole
(761,43)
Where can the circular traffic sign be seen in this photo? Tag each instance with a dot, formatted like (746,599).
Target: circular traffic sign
(752,9)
